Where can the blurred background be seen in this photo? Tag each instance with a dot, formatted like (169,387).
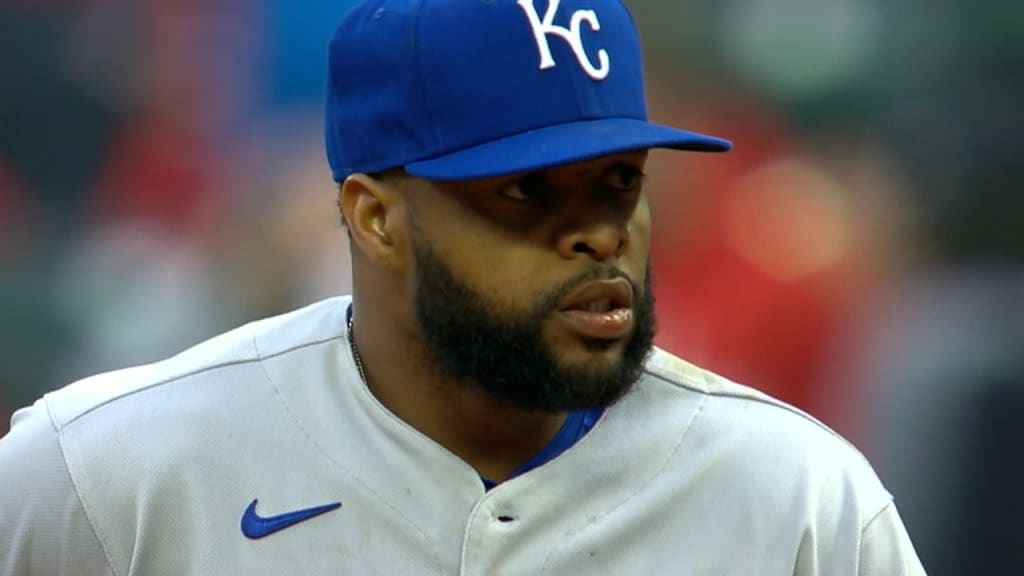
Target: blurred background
(860,254)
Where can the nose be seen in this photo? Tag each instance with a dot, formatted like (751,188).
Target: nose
(599,233)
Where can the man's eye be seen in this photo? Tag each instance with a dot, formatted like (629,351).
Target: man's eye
(514,192)
(525,188)
(624,177)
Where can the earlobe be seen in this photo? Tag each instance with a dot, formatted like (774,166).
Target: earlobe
(369,207)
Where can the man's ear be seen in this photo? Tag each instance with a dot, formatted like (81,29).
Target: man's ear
(374,212)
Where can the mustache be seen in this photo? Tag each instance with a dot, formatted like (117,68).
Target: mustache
(553,299)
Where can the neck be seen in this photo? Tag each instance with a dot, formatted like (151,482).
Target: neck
(493,437)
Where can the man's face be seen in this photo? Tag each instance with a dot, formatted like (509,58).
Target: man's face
(536,288)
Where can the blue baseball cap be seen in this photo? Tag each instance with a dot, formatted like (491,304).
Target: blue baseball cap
(464,89)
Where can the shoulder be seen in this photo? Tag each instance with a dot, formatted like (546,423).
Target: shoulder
(744,433)
(675,371)
(114,451)
(234,351)
(743,407)
(133,421)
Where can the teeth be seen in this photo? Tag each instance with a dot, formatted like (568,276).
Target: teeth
(599,306)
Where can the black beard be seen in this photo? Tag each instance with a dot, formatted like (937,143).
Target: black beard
(506,357)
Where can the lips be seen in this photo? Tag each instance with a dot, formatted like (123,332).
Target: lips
(601,309)
(600,296)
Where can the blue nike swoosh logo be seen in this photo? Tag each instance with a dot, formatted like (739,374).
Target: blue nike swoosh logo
(255,526)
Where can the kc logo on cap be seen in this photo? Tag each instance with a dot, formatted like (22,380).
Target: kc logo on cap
(573,35)
(462,89)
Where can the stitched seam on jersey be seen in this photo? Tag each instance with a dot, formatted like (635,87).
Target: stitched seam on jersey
(708,376)
(147,387)
(298,423)
(261,358)
(666,375)
(888,504)
(860,543)
(78,492)
(766,400)
(802,414)
(175,378)
(672,455)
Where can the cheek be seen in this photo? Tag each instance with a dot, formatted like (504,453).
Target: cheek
(640,227)
(501,272)
(508,277)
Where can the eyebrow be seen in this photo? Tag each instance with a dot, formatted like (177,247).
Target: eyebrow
(623,164)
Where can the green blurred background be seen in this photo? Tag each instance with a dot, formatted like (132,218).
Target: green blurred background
(859,254)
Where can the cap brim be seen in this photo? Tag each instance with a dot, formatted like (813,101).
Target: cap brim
(561,144)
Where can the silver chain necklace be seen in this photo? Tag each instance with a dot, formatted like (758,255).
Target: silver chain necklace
(355,351)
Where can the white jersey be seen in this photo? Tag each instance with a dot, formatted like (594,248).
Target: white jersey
(262,452)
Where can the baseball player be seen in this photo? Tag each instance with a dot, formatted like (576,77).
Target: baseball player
(488,401)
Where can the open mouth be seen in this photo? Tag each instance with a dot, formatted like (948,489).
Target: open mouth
(600,296)
(601,309)
(604,305)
